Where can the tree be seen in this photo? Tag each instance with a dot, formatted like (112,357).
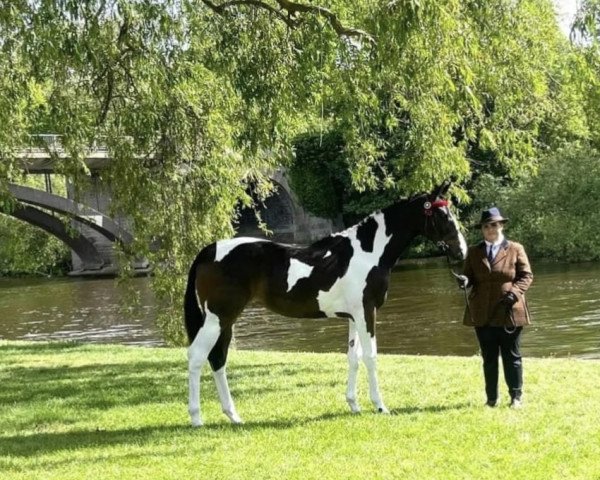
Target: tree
(451,89)
(556,214)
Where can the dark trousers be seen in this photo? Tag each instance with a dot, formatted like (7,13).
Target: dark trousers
(494,341)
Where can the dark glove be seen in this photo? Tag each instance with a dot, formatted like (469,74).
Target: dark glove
(508,300)
(462,281)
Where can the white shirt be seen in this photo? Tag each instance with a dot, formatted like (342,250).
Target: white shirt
(494,246)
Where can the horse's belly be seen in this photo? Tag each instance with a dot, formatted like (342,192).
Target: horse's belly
(289,306)
(343,296)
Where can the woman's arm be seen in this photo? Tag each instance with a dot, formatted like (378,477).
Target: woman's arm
(523,276)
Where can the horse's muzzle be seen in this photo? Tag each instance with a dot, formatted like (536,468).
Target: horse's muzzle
(453,251)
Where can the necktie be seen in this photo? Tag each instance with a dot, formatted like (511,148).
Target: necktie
(490,255)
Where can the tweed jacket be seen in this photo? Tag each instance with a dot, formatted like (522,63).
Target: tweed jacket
(509,272)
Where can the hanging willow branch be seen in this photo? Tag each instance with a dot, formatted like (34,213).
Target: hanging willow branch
(289,13)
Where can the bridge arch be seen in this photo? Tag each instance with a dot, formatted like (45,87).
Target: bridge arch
(94,219)
(94,247)
(90,256)
(277,211)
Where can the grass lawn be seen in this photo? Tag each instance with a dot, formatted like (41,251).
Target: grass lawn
(73,411)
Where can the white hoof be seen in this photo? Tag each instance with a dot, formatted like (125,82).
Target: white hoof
(234,417)
(354,406)
(196,419)
(383,410)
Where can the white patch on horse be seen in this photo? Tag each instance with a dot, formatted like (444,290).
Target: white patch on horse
(224,247)
(327,254)
(297,271)
(199,302)
(197,356)
(461,238)
(346,294)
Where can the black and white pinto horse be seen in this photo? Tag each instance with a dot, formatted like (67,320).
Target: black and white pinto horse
(343,275)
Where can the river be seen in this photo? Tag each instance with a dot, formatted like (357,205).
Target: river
(422,315)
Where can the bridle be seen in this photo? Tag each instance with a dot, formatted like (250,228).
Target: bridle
(430,220)
(430,224)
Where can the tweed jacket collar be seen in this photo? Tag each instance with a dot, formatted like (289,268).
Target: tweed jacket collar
(499,256)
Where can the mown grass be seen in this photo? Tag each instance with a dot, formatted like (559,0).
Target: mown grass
(72,411)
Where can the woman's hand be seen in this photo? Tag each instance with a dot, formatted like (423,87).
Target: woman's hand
(462,281)
(508,300)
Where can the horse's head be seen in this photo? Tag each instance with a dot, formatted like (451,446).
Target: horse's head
(440,225)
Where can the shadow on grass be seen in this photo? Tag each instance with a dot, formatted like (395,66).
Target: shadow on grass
(103,386)
(62,394)
(278,424)
(36,444)
(429,409)
(95,386)
(47,443)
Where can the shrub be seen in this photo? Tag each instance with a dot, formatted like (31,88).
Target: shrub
(555,214)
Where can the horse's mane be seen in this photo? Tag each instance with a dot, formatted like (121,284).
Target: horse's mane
(329,242)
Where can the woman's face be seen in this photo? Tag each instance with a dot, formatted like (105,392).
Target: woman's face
(491,231)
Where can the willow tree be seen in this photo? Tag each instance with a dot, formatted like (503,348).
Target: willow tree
(198,100)
(586,33)
(449,89)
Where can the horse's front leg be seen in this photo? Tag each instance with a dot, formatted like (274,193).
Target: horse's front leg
(365,327)
(354,356)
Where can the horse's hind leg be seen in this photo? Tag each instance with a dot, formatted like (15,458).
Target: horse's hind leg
(354,356)
(218,359)
(197,355)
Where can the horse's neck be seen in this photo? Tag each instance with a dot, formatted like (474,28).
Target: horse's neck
(392,236)
(395,247)
(402,228)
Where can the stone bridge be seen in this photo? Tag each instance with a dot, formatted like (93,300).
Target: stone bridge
(92,234)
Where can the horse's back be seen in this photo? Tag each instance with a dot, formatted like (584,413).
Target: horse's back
(228,273)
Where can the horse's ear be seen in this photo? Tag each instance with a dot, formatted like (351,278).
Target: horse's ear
(441,191)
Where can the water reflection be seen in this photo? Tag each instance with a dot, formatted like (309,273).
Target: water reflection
(423,315)
(91,310)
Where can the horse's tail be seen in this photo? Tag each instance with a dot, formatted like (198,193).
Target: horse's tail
(193,313)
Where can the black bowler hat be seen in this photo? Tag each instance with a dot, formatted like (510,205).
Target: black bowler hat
(491,215)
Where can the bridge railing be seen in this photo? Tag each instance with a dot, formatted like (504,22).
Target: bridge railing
(53,143)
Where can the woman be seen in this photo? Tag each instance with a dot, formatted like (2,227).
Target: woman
(497,271)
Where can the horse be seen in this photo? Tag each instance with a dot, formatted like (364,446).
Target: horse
(343,275)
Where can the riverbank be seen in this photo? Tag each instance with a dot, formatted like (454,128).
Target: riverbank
(73,411)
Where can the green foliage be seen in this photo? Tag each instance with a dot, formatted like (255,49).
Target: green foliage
(19,240)
(555,214)
(452,90)
(319,174)
(321,179)
(460,81)
(558,212)
(26,250)
(587,22)
(586,31)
